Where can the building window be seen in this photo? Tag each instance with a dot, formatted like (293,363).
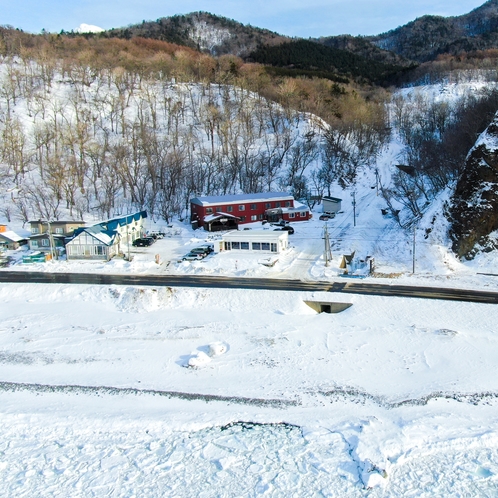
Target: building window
(256,246)
(303,215)
(59,230)
(244,245)
(253,207)
(274,248)
(242,207)
(242,219)
(45,242)
(218,209)
(268,205)
(235,245)
(287,204)
(209,210)
(229,209)
(34,243)
(292,215)
(227,246)
(265,246)
(261,216)
(277,204)
(34,230)
(254,217)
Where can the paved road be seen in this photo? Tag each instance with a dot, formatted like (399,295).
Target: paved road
(346,287)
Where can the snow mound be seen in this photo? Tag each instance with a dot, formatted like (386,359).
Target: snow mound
(217,349)
(199,359)
(139,299)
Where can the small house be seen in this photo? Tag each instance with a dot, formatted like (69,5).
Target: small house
(10,240)
(47,243)
(254,241)
(93,243)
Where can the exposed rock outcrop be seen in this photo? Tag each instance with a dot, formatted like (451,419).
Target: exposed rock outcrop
(474,205)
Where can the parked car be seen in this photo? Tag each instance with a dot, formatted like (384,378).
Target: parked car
(156,234)
(192,256)
(205,249)
(143,242)
(286,228)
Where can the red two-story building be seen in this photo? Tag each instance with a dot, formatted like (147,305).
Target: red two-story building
(226,212)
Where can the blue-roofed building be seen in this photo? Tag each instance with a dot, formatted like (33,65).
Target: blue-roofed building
(107,239)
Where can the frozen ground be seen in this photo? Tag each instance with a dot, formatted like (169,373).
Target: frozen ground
(97,399)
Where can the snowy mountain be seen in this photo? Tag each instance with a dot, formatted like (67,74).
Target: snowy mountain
(88,28)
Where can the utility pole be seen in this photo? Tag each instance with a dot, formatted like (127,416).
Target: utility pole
(327,254)
(353,194)
(128,238)
(413,251)
(51,241)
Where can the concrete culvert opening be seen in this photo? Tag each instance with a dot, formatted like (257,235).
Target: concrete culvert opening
(328,307)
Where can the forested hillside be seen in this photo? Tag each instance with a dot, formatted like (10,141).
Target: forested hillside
(304,55)
(105,125)
(98,124)
(429,36)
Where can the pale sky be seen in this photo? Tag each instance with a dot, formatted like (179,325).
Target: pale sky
(304,18)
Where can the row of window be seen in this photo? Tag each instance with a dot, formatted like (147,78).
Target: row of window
(84,250)
(302,214)
(44,243)
(242,207)
(256,246)
(57,230)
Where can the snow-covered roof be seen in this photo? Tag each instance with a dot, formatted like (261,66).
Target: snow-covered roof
(58,222)
(216,216)
(299,208)
(255,235)
(331,199)
(229,199)
(107,237)
(45,235)
(11,236)
(113,223)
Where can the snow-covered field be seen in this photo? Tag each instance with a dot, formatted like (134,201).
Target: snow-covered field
(394,394)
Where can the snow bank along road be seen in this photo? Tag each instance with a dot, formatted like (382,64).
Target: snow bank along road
(252,283)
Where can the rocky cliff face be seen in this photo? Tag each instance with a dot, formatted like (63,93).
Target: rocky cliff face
(474,205)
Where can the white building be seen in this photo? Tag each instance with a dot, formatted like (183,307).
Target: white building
(255,241)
